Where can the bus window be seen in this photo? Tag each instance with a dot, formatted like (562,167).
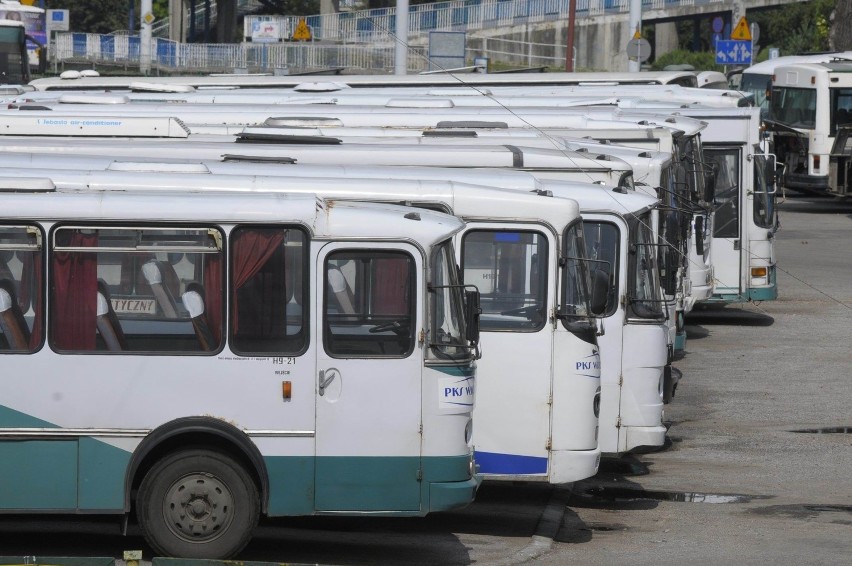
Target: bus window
(268,291)
(726,162)
(841,108)
(510,271)
(136,289)
(645,299)
(602,247)
(369,304)
(20,289)
(764,192)
(446,304)
(794,107)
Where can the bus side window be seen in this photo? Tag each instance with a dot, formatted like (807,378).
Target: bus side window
(20,289)
(369,304)
(101,302)
(267,295)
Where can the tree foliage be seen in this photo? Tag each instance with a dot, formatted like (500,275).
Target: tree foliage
(94,16)
(700,61)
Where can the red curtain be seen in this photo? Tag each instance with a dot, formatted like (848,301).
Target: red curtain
(391,285)
(252,249)
(31,279)
(213,294)
(75,287)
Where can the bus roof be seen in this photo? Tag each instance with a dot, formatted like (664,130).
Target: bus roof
(684,78)
(463,200)
(768,67)
(323,217)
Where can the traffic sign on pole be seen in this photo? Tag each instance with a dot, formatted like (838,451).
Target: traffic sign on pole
(733,52)
(741,32)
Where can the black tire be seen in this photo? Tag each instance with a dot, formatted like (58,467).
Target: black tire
(197,504)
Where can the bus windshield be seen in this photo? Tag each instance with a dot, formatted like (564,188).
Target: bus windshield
(575,278)
(646,300)
(509,267)
(602,248)
(759,86)
(794,107)
(841,108)
(447,324)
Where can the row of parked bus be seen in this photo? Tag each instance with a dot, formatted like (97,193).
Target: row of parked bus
(335,296)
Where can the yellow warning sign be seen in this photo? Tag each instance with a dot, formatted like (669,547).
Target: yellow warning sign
(741,32)
(637,35)
(302,31)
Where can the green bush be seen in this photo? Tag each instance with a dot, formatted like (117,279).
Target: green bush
(700,61)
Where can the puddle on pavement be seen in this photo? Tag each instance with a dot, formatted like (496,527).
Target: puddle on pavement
(627,494)
(826,430)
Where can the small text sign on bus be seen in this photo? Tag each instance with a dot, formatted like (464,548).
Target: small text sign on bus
(57,20)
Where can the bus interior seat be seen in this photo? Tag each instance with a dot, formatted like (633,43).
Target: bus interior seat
(12,321)
(107,321)
(193,301)
(157,275)
(341,291)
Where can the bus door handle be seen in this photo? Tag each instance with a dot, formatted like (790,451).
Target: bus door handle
(325,379)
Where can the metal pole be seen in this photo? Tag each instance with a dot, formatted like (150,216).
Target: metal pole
(145,37)
(635,25)
(569,43)
(401,43)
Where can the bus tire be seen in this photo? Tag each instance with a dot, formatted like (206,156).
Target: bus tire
(197,504)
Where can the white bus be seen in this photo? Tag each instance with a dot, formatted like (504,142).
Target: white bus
(523,235)
(757,79)
(808,104)
(745,218)
(634,362)
(210,360)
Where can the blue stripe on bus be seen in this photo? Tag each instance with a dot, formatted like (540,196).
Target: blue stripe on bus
(495,463)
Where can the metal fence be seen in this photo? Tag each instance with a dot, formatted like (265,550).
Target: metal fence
(170,56)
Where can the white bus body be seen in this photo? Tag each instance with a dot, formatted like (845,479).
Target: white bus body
(634,361)
(548,431)
(808,103)
(122,370)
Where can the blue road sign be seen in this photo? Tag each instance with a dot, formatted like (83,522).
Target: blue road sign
(733,52)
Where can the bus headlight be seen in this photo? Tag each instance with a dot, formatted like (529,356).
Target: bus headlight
(758,272)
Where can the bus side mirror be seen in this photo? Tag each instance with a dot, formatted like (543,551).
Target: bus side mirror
(472,310)
(699,235)
(600,292)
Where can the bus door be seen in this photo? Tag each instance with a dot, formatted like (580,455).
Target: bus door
(511,269)
(729,208)
(605,244)
(368,378)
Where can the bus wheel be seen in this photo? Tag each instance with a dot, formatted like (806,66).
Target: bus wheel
(197,504)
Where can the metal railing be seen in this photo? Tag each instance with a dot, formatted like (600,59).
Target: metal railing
(170,56)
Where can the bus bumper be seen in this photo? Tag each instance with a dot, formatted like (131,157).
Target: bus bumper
(645,436)
(573,465)
(444,496)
